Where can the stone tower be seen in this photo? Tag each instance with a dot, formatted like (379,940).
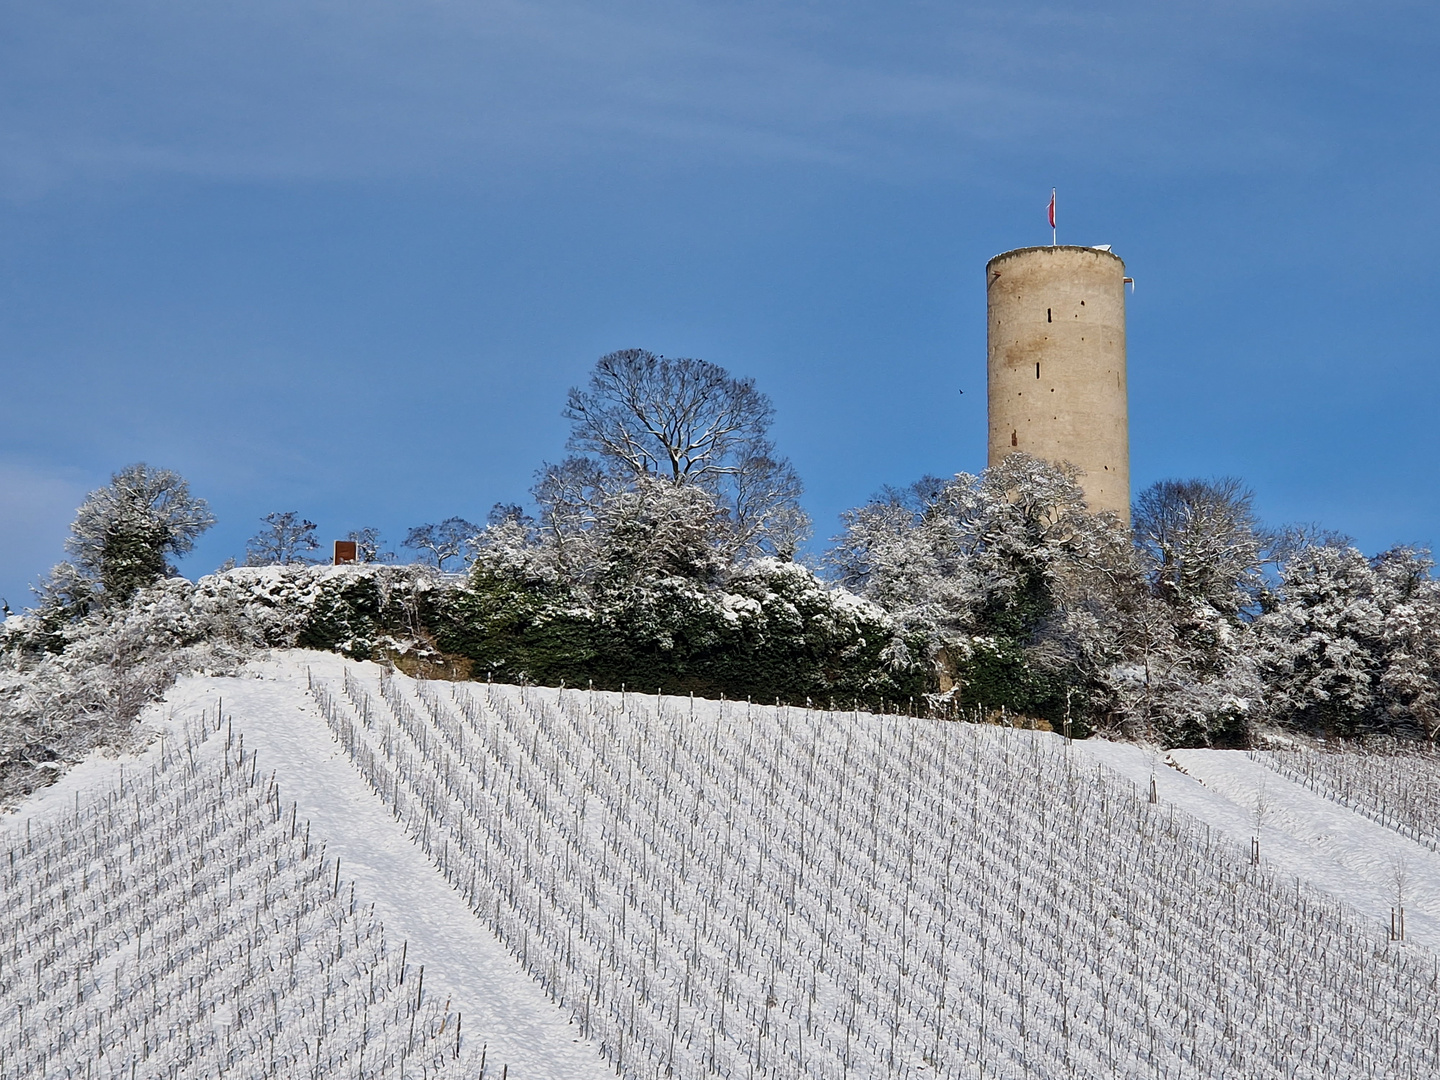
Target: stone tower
(1057,365)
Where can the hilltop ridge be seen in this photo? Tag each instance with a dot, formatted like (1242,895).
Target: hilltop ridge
(599,882)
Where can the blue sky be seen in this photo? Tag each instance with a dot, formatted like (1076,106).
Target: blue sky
(346,258)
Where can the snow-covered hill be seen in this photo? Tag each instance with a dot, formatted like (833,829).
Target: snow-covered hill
(661,886)
(1343,838)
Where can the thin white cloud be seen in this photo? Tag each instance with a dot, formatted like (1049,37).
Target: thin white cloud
(379,88)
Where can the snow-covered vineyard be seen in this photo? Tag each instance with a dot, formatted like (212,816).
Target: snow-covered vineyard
(694,888)
(720,888)
(184,924)
(1395,785)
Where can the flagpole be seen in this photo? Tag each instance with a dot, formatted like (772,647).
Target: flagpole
(1054,217)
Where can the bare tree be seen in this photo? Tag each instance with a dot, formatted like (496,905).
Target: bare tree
(438,544)
(570,495)
(368,547)
(765,513)
(688,422)
(284,540)
(682,418)
(1262,806)
(1203,542)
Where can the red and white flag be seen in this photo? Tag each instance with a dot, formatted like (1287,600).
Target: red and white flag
(1052,208)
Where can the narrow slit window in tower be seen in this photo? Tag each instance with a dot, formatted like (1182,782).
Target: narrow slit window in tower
(1047,315)
(1037,371)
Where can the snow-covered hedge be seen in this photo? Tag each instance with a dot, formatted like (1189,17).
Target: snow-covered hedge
(773,630)
(68,686)
(770,629)
(354,610)
(66,689)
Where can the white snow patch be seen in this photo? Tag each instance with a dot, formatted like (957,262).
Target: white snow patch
(1329,846)
(502,1006)
(463,961)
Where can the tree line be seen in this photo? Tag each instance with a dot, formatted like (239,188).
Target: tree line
(662,553)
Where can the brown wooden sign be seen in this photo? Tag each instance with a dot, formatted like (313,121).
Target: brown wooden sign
(344,552)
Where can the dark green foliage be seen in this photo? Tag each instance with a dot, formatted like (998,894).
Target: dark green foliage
(1000,673)
(516,629)
(366,612)
(348,616)
(124,533)
(1002,670)
(134,556)
(1017,615)
(773,632)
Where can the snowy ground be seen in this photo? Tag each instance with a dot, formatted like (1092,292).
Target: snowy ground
(522,1027)
(503,1008)
(1304,838)
(463,961)
(1302,834)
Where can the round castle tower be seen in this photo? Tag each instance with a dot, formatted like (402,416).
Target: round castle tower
(1057,365)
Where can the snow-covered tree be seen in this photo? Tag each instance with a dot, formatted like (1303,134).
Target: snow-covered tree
(656,529)
(286,538)
(620,539)
(1352,644)
(125,533)
(980,566)
(1190,676)
(368,546)
(452,539)
(66,689)
(693,424)
(569,495)
(1174,686)
(65,593)
(763,503)
(1322,646)
(1029,601)
(908,552)
(1202,543)
(1410,682)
